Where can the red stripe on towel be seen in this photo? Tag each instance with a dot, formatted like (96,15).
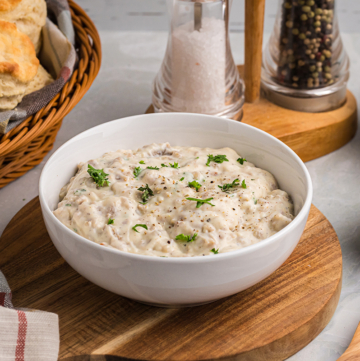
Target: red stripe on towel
(20,345)
(2,298)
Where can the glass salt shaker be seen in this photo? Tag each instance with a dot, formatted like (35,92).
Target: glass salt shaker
(305,66)
(198,73)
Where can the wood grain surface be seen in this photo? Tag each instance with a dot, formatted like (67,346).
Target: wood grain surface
(254,28)
(310,135)
(352,353)
(269,321)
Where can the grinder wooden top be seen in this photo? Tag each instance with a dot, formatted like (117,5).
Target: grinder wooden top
(269,321)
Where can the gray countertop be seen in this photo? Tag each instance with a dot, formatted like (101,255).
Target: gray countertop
(133,35)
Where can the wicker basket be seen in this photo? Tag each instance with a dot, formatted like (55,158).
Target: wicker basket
(25,146)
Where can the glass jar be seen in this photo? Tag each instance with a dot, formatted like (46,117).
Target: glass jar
(198,73)
(305,66)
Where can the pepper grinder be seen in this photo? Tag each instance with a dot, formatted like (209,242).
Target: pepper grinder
(305,66)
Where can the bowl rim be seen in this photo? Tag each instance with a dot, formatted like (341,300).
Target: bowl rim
(195,259)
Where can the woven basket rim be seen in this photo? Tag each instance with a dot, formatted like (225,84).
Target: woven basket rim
(87,40)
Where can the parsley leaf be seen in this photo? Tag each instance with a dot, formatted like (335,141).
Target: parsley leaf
(241,160)
(182,237)
(255,200)
(182,178)
(195,184)
(137,171)
(139,225)
(147,192)
(243,184)
(215,251)
(217,159)
(227,186)
(78,191)
(110,221)
(175,165)
(141,162)
(200,202)
(98,175)
(68,205)
(156,168)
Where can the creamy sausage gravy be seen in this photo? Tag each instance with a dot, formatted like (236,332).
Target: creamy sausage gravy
(247,208)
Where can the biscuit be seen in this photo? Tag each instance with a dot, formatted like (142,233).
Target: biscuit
(7,103)
(42,78)
(28,15)
(18,62)
(8,5)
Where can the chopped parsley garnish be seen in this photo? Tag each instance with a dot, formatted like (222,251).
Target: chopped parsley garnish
(137,171)
(195,184)
(241,160)
(197,157)
(182,178)
(156,168)
(147,192)
(78,191)
(98,175)
(200,202)
(227,186)
(217,159)
(252,179)
(175,165)
(67,205)
(243,184)
(182,237)
(141,162)
(139,225)
(110,221)
(215,251)
(255,201)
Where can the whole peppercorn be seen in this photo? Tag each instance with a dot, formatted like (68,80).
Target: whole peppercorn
(306,43)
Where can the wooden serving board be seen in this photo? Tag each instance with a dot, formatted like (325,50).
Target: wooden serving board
(267,322)
(310,135)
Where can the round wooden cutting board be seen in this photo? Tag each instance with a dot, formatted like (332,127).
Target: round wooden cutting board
(267,322)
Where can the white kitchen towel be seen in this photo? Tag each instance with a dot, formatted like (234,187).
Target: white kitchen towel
(25,334)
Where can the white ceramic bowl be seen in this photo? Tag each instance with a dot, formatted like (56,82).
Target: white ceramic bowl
(176,281)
